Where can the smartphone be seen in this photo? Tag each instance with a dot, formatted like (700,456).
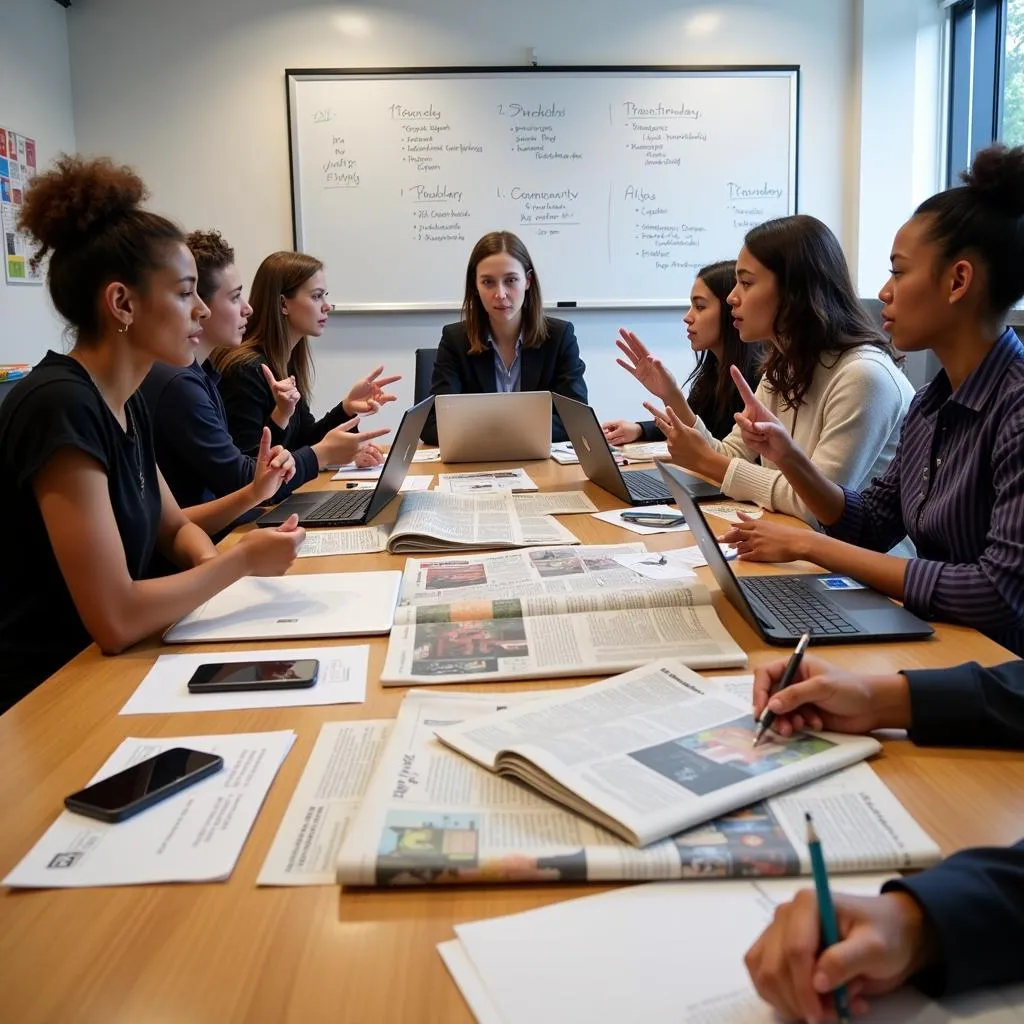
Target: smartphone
(123,795)
(653,518)
(229,676)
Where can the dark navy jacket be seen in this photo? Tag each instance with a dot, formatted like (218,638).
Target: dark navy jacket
(554,366)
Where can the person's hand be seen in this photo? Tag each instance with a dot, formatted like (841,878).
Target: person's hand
(271,552)
(366,396)
(823,696)
(884,940)
(368,455)
(647,369)
(761,430)
(687,446)
(274,467)
(286,396)
(340,445)
(757,540)
(621,431)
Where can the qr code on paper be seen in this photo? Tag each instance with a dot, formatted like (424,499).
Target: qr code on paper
(66,860)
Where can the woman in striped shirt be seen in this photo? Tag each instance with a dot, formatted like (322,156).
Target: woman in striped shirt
(956,485)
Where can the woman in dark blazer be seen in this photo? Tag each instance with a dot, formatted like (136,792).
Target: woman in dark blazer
(504,342)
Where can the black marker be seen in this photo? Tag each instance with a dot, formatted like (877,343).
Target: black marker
(566,305)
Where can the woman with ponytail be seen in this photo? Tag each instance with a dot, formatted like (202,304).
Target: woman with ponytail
(956,485)
(82,502)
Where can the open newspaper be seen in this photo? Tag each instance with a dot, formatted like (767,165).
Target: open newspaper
(430,815)
(437,521)
(547,612)
(649,753)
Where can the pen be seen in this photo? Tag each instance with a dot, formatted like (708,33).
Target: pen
(829,925)
(768,717)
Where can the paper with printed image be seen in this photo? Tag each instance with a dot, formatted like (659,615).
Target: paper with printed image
(545,613)
(649,753)
(431,816)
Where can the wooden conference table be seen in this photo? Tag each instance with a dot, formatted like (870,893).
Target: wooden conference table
(231,952)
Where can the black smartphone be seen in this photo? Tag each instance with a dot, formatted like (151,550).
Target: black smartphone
(229,676)
(653,518)
(120,796)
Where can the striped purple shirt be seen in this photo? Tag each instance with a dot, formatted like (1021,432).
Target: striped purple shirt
(956,488)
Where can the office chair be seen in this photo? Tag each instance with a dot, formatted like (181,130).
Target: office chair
(424,373)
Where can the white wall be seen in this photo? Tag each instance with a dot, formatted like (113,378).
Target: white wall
(35,100)
(192,94)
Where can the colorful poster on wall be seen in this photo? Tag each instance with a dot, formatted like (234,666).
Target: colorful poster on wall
(17,169)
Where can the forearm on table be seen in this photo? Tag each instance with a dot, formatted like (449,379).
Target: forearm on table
(885,573)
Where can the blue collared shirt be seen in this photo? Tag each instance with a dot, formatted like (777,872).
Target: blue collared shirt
(508,378)
(956,488)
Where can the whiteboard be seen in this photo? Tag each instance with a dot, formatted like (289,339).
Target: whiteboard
(621,182)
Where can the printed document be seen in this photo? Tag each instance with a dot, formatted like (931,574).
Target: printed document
(193,836)
(325,801)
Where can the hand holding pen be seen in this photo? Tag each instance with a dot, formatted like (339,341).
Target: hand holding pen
(793,666)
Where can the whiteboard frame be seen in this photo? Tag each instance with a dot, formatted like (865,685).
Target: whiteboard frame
(292,76)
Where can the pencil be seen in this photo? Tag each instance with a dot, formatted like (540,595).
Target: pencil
(829,925)
(768,717)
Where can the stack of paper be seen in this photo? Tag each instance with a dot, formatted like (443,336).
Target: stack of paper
(666,951)
(194,836)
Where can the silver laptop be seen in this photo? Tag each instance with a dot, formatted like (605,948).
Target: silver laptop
(636,486)
(513,426)
(832,608)
(355,507)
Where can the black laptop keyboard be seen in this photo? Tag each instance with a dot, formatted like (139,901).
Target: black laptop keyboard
(342,506)
(644,485)
(796,608)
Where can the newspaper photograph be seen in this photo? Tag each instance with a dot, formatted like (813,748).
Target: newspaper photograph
(431,816)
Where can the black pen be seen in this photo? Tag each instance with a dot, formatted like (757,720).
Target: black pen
(768,717)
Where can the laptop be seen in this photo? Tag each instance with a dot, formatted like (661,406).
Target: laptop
(635,486)
(352,508)
(832,608)
(513,426)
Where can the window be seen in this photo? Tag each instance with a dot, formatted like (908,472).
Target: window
(977,34)
(1012,130)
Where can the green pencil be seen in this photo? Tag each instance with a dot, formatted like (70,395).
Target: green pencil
(829,925)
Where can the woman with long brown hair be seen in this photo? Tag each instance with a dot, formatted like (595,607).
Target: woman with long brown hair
(830,375)
(267,380)
(504,342)
(718,346)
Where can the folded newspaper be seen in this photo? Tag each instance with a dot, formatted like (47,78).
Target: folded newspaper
(438,521)
(648,753)
(430,816)
(547,612)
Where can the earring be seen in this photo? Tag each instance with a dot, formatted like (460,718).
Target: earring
(123,329)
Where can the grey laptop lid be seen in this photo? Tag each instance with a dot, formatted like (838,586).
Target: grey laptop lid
(599,465)
(863,614)
(508,426)
(390,481)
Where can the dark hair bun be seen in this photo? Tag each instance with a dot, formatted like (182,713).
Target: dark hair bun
(996,177)
(65,205)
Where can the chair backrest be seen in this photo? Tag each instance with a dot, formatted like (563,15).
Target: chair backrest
(424,373)
(874,308)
